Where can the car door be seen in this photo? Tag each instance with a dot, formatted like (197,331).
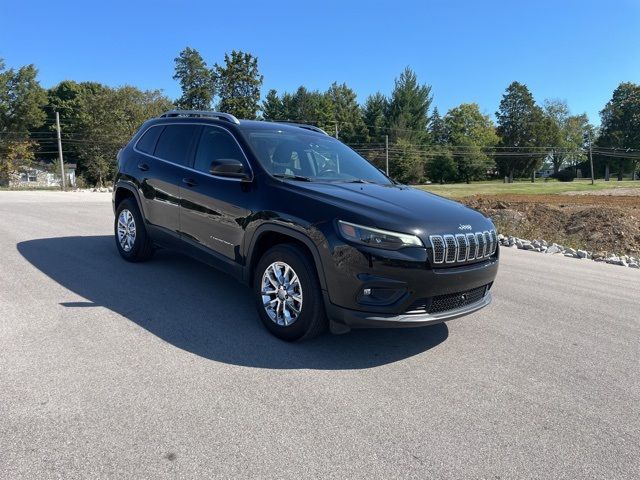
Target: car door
(214,209)
(162,169)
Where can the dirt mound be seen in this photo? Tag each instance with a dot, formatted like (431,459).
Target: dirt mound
(575,221)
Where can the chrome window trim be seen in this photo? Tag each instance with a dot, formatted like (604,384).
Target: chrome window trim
(201,124)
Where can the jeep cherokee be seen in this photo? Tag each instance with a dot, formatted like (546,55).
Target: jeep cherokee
(322,237)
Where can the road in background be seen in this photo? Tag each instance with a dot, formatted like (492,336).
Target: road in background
(111,369)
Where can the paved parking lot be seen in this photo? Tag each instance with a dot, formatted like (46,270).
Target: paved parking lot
(110,369)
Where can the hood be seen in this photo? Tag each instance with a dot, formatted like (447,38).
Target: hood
(397,207)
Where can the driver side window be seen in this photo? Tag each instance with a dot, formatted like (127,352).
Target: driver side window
(215,144)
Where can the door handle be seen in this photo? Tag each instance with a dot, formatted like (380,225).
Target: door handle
(143,166)
(190,182)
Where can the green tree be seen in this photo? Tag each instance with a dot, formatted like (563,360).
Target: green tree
(272,107)
(438,133)
(520,130)
(471,135)
(409,108)
(238,82)
(109,119)
(197,81)
(16,155)
(68,98)
(564,133)
(407,165)
(347,114)
(441,167)
(620,127)
(22,100)
(374,114)
(305,106)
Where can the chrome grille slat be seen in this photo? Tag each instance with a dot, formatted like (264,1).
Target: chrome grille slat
(481,245)
(437,246)
(487,244)
(473,246)
(461,247)
(451,250)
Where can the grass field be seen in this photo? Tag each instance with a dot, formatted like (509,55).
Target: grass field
(540,187)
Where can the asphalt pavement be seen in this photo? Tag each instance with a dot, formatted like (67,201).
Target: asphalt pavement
(117,370)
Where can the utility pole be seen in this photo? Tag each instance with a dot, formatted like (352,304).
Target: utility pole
(336,124)
(591,158)
(62,183)
(386,151)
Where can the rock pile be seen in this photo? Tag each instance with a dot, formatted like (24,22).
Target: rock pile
(554,249)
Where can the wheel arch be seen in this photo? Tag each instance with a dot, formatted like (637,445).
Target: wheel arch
(269,235)
(126,190)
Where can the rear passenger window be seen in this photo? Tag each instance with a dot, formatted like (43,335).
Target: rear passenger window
(215,144)
(173,144)
(147,142)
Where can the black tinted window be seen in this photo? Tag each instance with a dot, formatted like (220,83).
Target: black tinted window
(174,142)
(147,142)
(215,144)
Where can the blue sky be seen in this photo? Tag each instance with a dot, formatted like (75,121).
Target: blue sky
(469,51)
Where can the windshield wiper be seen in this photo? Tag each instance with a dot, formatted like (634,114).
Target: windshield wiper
(292,177)
(358,180)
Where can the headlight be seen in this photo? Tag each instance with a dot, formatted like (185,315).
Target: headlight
(377,238)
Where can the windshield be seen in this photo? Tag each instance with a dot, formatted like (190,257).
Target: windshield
(311,157)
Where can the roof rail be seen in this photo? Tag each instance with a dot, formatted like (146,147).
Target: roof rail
(302,125)
(201,113)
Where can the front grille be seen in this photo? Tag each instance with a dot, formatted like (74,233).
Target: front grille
(450,301)
(460,248)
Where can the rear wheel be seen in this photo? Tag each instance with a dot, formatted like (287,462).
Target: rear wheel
(288,295)
(132,240)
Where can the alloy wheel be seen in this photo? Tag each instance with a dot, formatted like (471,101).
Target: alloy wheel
(126,230)
(281,293)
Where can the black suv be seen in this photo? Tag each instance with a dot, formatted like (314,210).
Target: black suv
(323,237)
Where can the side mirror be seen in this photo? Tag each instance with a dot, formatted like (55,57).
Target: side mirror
(228,167)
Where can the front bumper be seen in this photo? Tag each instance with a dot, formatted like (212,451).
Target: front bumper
(369,288)
(342,319)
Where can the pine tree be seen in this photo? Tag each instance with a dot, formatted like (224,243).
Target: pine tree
(374,115)
(346,113)
(238,84)
(409,108)
(196,81)
(272,107)
(519,126)
(437,129)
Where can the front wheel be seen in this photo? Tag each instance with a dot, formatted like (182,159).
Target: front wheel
(132,239)
(288,295)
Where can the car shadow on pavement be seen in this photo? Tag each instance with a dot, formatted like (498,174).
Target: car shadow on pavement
(206,312)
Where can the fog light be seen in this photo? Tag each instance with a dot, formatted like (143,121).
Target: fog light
(366,291)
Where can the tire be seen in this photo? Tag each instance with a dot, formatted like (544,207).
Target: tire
(311,320)
(137,247)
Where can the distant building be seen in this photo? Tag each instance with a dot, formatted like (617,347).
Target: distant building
(38,175)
